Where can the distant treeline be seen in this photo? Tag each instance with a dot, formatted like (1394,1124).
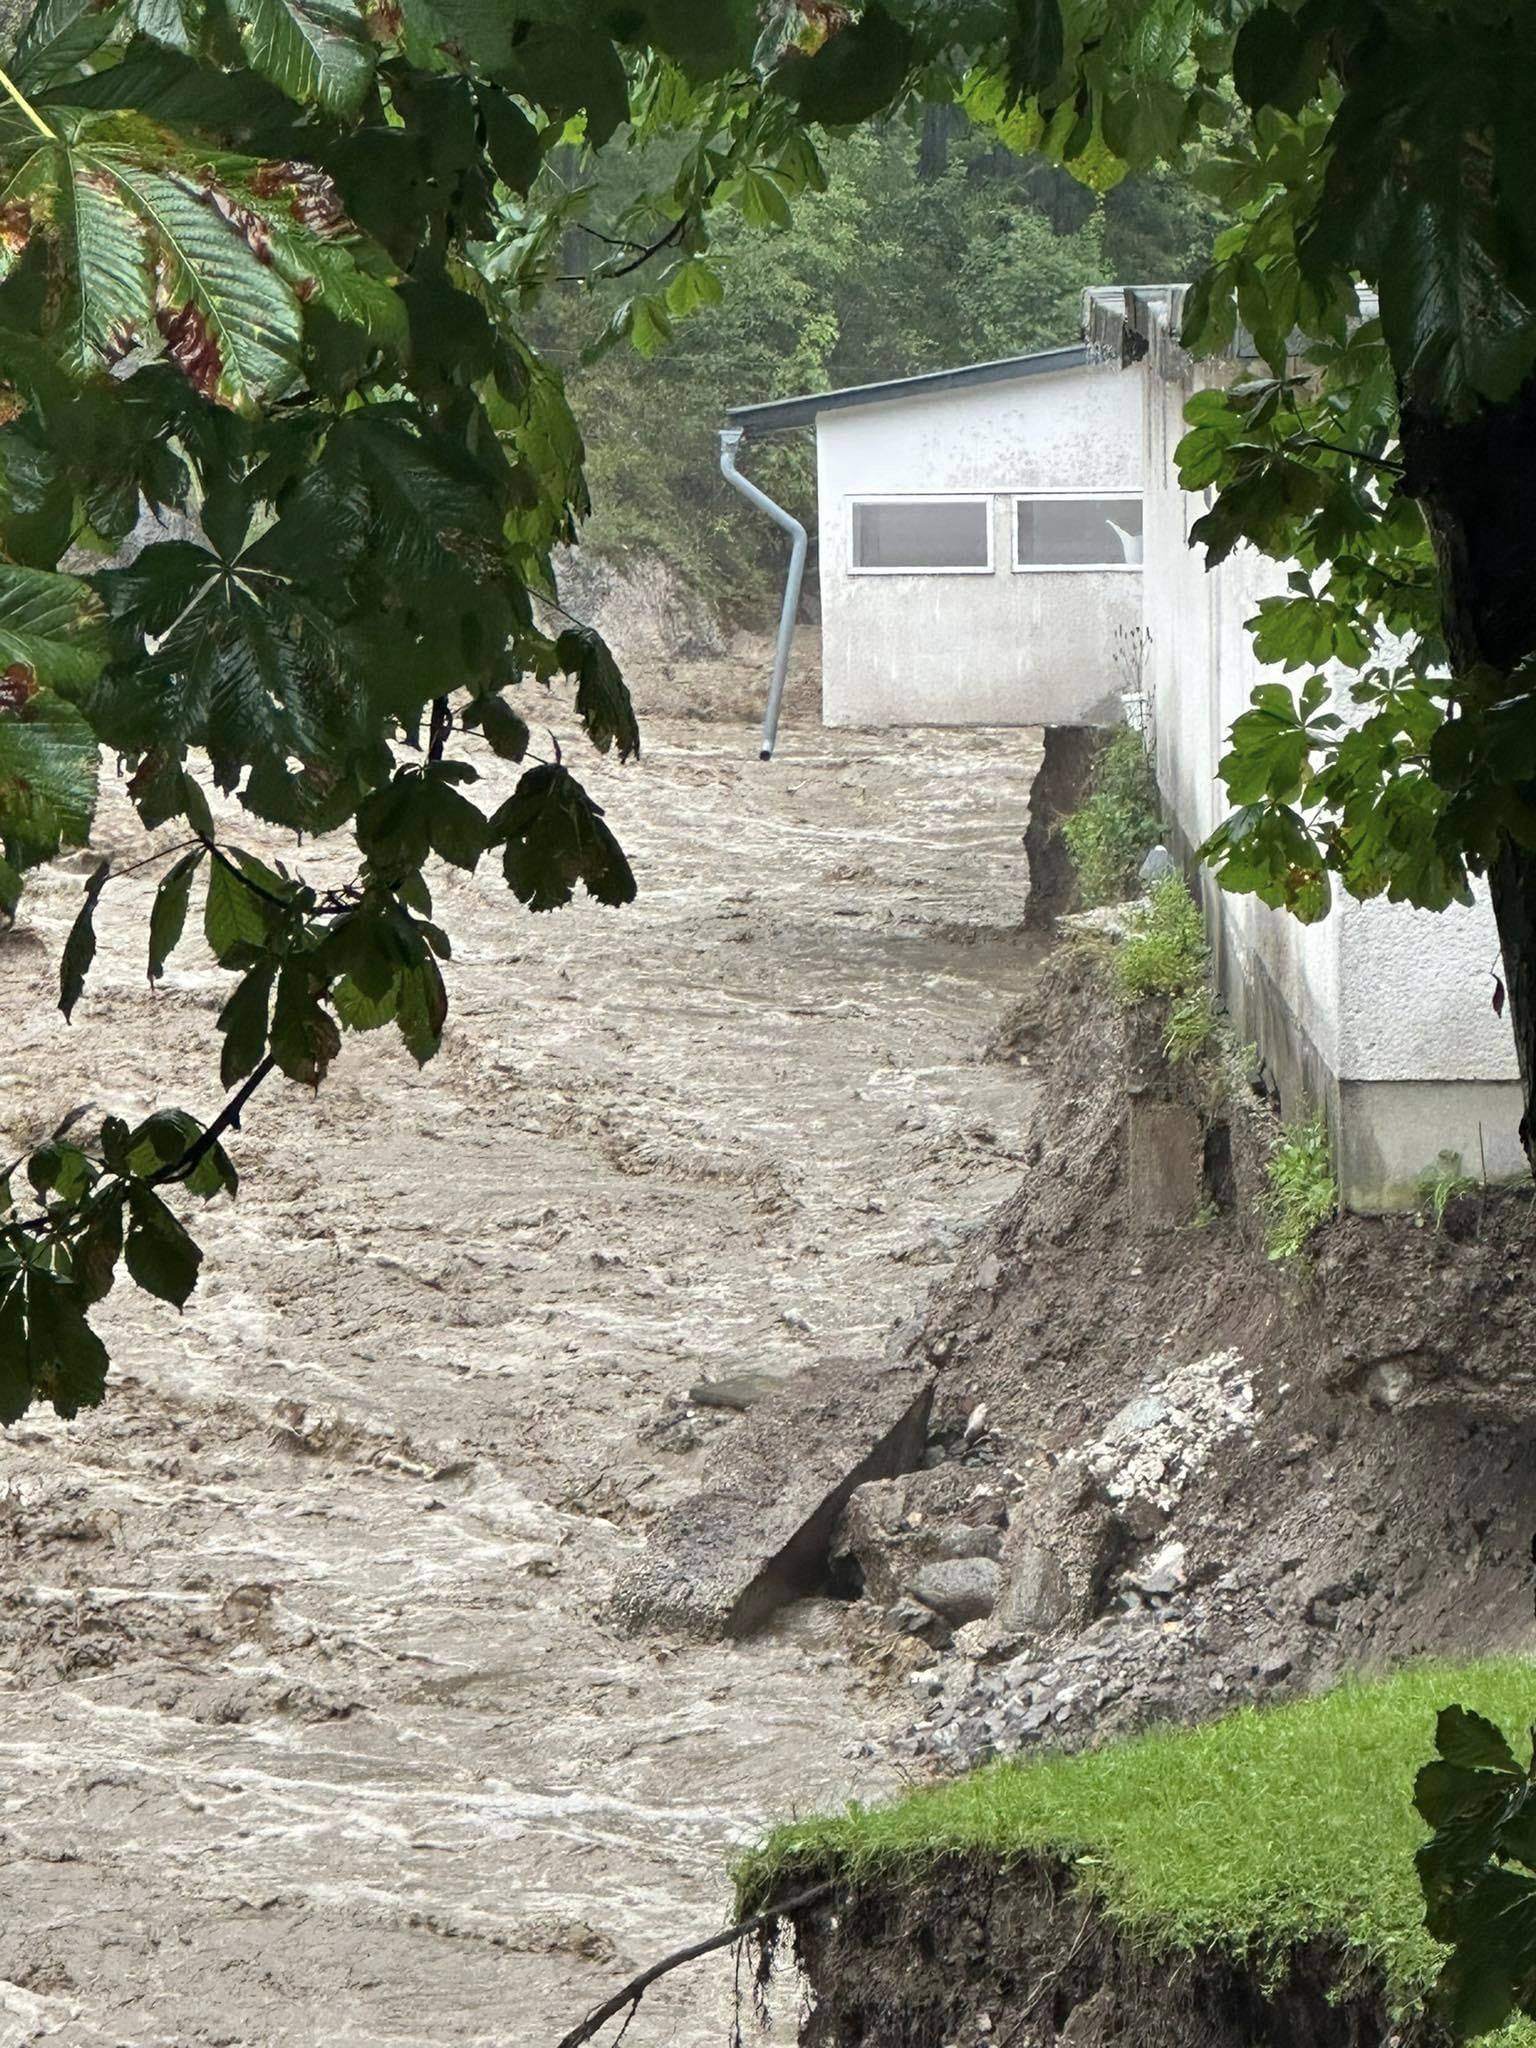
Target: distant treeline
(931,246)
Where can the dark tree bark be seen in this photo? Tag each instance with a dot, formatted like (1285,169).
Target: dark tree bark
(1476,482)
(1512,884)
(939,124)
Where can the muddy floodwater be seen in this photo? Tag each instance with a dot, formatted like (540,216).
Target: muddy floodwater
(312,1723)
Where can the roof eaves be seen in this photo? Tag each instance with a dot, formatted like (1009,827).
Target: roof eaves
(781,413)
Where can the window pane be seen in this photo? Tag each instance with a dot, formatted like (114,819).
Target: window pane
(934,533)
(1105,532)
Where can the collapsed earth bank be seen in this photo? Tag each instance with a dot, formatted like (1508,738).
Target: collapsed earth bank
(1177,1473)
(978,1949)
(1164,1475)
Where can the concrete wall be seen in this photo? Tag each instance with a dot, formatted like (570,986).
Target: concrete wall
(1380,1013)
(1004,648)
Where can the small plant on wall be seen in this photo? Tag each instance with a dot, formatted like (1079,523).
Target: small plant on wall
(1300,1191)
(1132,645)
(1164,953)
(1109,835)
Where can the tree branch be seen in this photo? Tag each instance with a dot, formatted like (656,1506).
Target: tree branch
(636,1988)
(228,1119)
(163,853)
(182,1168)
(647,252)
(441,728)
(1357,454)
(613,241)
(234,868)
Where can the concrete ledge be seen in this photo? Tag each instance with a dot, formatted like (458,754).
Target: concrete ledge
(758,1533)
(1390,1133)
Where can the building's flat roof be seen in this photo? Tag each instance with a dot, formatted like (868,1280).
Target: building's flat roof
(1132,321)
(780,413)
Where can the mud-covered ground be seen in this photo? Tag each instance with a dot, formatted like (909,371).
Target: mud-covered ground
(1208,1477)
(313,1728)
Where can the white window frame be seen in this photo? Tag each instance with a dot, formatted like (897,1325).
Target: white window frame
(983,498)
(1019,498)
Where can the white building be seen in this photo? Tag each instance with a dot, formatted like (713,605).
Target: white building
(986,534)
(1381,1013)
(980,541)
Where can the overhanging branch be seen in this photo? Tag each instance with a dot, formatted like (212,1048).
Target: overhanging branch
(632,1993)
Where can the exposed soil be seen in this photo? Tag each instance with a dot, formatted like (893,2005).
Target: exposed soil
(1177,1477)
(1205,1477)
(314,1726)
(968,1953)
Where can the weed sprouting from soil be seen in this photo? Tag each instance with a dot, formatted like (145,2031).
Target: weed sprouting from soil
(1192,1023)
(1164,953)
(1442,1184)
(1300,1191)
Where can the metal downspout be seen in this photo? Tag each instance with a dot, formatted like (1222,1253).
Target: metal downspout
(730,440)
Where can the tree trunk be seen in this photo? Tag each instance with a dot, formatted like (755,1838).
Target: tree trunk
(1476,482)
(1512,884)
(575,249)
(933,146)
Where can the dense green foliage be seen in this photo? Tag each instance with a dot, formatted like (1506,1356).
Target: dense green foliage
(260,269)
(1390,463)
(270,274)
(1478,1870)
(1300,1191)
(1110,833)
(1250,1833)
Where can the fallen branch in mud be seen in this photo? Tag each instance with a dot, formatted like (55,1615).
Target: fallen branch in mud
(636,1988)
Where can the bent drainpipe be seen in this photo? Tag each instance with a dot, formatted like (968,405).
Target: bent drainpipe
(730,440)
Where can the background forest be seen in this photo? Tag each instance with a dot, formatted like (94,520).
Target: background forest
(932,245)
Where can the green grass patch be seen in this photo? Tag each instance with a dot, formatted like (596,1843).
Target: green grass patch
(1108,836)
(1273,1826)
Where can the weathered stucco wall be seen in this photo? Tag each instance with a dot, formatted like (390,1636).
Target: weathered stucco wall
(1380,1013)
(1001,648)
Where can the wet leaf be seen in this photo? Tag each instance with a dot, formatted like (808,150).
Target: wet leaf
(80,946)
(304,1036)
(857,71)
(602,698)
(159,1254)
(555,837)
(317,51)
(168,918)
(196,249)
(236,919)
(243,1021)
(42,1321)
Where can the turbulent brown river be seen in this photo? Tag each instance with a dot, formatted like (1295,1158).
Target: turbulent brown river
(314,1729)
